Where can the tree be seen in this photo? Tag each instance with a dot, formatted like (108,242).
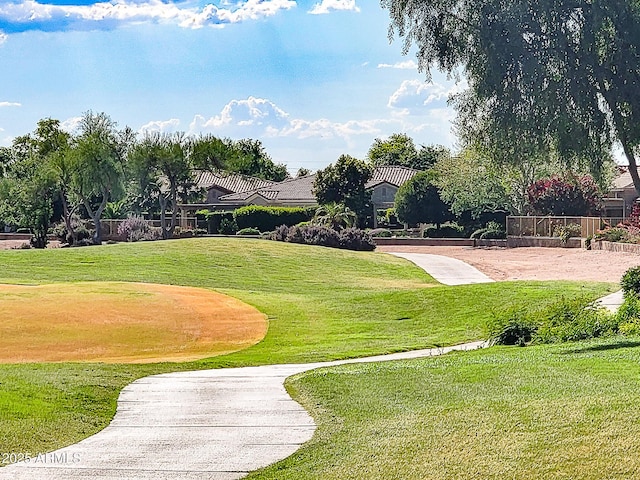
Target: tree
(99,154)
(560,77)
(399,149)
(345,182)
(577,196)
(303,172)
(27,191)
(251,159)
(418,201)
(470,183)
(162,163)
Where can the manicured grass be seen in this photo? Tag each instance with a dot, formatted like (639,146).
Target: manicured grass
(321,304)
(553,412)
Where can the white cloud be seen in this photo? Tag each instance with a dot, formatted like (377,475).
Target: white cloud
(10,104)
(71,124)
(327,6)
(406,65)
(31,15)
(163,126)
(413,96)
(261,117)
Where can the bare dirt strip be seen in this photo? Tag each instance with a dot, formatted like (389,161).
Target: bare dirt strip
(122,322)
(536,263)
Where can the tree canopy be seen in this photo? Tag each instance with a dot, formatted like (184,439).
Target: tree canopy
(418,201)
(344,182)
(399,149)
(559,76)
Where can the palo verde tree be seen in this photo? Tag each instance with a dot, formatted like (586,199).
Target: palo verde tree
(99,153)
(559,76)
(345,182)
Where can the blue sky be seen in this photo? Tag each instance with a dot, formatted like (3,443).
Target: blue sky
(311,79)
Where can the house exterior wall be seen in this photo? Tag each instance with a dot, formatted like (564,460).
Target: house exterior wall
(384,194)
(213,194)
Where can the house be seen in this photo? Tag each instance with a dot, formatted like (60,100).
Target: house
(231,191)
(621,197)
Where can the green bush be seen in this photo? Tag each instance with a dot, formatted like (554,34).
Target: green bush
(563,321)
(248,231)
(228,227)
(214,220)
(628,316)
(381,232)
(565,232)
(267,219)
(513,327)
(612,234)
(493,230)
(631,282)
(574,319)
(451,230)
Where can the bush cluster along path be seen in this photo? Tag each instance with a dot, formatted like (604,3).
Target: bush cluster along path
(214,424)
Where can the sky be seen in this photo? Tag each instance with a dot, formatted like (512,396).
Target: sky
(311,79)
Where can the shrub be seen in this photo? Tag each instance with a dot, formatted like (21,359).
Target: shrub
(612,234)
(631,282)
(248,231)
(268,218)
(214,219)
(355,239)
(577,196)
(513,327)
(381,232)
(227,227)
(135,229)
(349,238)
(565,232)
(628,316)
(563,321)
(574,319)
(451,230)
(493,230)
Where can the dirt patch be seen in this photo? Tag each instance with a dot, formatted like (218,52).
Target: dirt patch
(122,323)
(536,263)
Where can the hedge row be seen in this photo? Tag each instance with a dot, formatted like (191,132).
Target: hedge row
(265,219)
(348,238)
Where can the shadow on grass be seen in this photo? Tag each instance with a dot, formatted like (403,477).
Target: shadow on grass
(603,348)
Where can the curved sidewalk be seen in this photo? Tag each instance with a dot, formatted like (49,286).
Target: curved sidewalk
(446,270)
(210,424)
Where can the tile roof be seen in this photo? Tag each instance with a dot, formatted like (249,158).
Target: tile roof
(301,189)
(231,182)
(292,189)
(395,175)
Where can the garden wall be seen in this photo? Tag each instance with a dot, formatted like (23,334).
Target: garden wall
(555,242)
(615,246)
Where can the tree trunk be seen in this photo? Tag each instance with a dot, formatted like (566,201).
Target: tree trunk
(163,216)
(96,216)
(67,214)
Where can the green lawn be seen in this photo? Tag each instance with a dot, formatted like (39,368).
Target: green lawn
(321,303)
(550,412)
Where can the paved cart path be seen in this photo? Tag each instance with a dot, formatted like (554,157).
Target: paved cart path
(210,424)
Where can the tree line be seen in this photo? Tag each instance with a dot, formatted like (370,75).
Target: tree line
(51,173)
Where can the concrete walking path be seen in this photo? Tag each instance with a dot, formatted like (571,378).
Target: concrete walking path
(210,424)
(446,270)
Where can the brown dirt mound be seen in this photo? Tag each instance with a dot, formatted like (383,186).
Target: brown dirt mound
(122,323)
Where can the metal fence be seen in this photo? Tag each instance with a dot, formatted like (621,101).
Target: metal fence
(532,226)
